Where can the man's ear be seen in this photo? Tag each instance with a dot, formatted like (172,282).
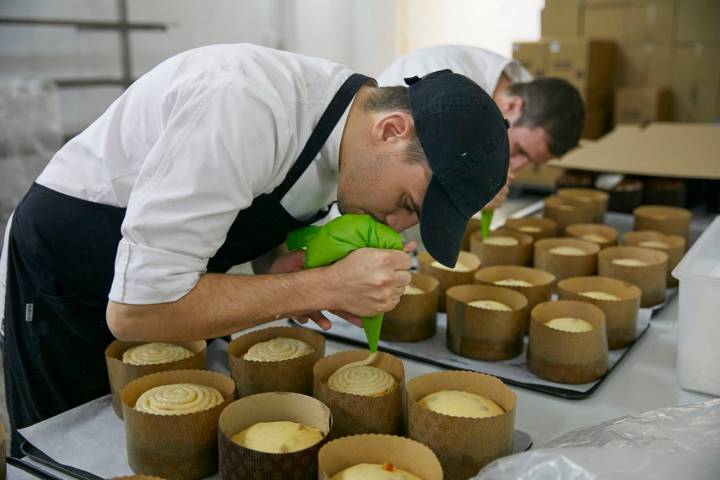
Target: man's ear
(511,107)
(393,126)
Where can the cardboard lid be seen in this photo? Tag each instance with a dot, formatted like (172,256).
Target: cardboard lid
(687,150)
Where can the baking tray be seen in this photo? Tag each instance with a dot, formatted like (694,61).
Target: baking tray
(514,371)
(98,417)
(35,454)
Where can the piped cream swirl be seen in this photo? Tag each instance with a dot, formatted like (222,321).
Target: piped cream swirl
(278,349)
(155,353)
(360,378)
(178,399)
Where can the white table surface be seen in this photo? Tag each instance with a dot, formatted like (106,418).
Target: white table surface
(645,380)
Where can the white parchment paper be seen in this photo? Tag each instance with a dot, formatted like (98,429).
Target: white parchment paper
(91,437)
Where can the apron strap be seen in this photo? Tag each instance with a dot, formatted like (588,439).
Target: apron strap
(321,132)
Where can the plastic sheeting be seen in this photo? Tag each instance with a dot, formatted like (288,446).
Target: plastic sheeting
(30,133)
(668,443)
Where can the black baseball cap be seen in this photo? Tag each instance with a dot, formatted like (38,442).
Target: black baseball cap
(465,139)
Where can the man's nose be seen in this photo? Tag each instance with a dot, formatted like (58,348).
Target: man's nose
(517,162)
(401,221)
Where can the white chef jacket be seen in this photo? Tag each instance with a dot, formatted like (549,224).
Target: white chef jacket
(188,146)
(481,66)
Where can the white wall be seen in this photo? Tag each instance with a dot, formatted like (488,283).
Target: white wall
(366,35)
(53,52)
(201,22)
(491,24)
(362,34)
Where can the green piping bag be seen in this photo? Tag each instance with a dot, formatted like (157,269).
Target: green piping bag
(338,238)
(486,217)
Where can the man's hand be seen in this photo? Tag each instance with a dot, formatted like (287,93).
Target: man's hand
(325,323)
(369,281)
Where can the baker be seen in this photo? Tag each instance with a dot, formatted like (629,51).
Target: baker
(546,114)
(208,161)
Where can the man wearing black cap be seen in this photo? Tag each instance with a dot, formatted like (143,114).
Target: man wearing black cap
(546,113)
(208,161)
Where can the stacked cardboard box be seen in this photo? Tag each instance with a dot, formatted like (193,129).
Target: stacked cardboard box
(588,64)
(661,43)
(532,55)
(642,105)
(561,18)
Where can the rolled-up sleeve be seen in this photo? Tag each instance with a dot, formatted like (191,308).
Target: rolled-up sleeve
(215,154)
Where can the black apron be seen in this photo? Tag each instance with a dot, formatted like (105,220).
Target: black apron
(61,258)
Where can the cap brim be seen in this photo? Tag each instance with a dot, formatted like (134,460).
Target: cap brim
(442,226)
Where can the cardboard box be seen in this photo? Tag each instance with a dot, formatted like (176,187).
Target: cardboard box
(532,56)
(561,21)
(645,64)
(588,64)
(630,21)
(596,123)
(698,21)
(696,83)
(651,21)
(641,105)
(606,20)
(687,150)
(564,3)
(597,99)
